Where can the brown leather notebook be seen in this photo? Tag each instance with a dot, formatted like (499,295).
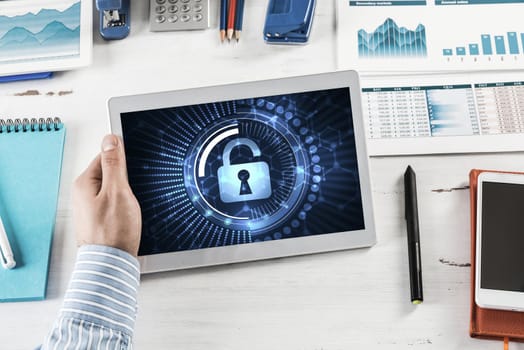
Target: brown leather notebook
(489,323)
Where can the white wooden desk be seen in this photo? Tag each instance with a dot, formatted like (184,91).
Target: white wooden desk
(345,300)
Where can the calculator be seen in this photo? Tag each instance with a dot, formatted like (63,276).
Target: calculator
(165,15)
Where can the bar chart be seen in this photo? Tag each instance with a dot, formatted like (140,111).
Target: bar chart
(510,43)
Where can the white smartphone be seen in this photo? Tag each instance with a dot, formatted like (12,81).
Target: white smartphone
(499,263)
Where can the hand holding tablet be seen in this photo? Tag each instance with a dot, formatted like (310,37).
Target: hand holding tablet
(247,171)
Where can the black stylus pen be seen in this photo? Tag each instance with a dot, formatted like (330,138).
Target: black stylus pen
(415,264)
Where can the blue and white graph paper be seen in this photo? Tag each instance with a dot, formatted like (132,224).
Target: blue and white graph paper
(430,36)
(44,36)
(30,170)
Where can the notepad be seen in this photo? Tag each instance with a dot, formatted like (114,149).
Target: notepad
(30,165)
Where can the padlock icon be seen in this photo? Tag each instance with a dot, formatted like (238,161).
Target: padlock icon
(243,182)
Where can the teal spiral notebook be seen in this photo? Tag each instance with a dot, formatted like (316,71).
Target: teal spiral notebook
(30,166)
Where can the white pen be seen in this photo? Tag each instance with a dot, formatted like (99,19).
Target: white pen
(7,258)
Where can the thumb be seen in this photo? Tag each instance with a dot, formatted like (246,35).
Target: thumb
(114,173)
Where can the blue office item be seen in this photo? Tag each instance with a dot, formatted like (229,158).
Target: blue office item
(21,77)
(114,18)
(288,21)
(30,166)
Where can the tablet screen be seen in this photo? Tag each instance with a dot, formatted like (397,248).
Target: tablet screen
(502,237)
(244,171)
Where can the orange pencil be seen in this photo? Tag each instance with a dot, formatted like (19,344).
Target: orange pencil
(231,18)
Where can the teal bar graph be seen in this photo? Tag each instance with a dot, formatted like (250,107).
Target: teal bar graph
(513,43)
(473,49)
(500,46)
(487,49)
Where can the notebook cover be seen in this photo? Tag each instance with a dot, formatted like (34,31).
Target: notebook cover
(30,166)
(489,323)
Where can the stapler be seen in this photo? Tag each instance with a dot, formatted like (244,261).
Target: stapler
(114,18)
(288,21)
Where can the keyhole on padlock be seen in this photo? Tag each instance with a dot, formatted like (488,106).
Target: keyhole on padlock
(243,176)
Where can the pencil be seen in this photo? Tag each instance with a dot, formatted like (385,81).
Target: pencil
(231,18)
(223,17)
(239,16)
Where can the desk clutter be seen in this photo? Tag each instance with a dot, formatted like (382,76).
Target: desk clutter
(449,103)
(30,167)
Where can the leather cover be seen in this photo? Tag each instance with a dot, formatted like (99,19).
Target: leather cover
(489,323)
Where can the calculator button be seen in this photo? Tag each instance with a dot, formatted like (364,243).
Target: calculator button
(173,1)
(198,17)
(172,9)
(197,8)
(160,2)
(172,19)
(185,18)
(160,19)
(185,8)
(160,9)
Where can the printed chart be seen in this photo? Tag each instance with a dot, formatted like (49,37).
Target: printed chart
(391,40)
(401,115)
(441,35)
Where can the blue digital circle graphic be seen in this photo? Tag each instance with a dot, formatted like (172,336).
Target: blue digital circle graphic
(280,152)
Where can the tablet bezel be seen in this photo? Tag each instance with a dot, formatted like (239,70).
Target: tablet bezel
(267,249)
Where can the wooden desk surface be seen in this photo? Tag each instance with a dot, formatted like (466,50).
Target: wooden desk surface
(345,300)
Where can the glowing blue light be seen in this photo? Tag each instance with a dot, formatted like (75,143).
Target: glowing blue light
(315,159)
(313,149)
(316,179)
(296,122)
(288,115)
(314,188)
(311,198)
(295,223)
(317,168)
(286,230)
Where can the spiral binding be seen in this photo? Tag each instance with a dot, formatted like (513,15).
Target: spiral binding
(25,125)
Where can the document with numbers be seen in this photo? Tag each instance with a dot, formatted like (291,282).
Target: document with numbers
(444,114)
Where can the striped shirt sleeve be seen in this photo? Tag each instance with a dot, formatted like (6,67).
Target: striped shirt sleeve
(100,305)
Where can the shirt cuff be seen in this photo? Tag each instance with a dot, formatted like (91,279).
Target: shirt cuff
(104,287)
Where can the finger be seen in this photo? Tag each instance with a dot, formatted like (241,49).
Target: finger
(114,173)
(90,180)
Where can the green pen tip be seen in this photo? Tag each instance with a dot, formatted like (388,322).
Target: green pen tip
(416,302)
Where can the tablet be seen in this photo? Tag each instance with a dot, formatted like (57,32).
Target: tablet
(247,171)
